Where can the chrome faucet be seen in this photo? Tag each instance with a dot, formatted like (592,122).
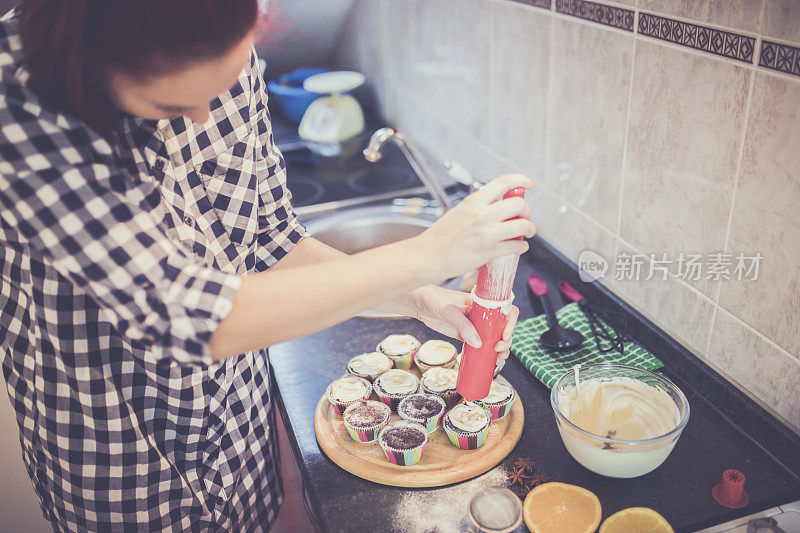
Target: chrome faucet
(373,153)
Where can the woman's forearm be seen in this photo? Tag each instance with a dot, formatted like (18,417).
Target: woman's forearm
(286,303)
(310,251)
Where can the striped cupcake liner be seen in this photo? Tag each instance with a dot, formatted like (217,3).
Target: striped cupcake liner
(499,410)
(368,377)
(364,435)
(403,362)
(424,367)
(450,397)
(464,440)
(403,457)
(392,400)
(431,424)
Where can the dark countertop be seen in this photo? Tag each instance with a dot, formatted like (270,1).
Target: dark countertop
(725,430)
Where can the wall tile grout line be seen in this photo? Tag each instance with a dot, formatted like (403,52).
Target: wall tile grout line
(621,195)
(736,178)
(760,335)
(382,26)
(548,120)
(491,118)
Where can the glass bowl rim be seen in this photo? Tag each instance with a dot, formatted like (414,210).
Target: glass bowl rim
(676,431)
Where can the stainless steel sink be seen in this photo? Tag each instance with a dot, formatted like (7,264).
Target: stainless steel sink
(358,229)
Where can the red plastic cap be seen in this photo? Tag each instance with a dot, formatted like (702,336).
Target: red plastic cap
(729,492)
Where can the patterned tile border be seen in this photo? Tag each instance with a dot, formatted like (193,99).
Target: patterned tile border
(775,56)
(544,4)
(616,17)
(719,42)
(780,57)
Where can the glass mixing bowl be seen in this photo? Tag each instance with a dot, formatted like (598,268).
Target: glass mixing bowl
(614,457)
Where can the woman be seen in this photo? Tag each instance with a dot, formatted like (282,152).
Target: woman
(149,252)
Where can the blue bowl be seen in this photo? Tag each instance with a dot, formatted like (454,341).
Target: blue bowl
(288,91)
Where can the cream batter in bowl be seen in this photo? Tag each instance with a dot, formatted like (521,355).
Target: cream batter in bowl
(620,421)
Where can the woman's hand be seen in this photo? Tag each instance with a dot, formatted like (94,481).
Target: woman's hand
(479,229)
(444,310)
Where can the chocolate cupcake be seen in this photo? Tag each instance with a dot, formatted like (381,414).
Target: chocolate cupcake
(425,409)
(403,442)
(401,349)
(369,365)
(436,354)
(348,390)
(499,400)
(497,367)
(364,420)
(394,385)
(467,426)
(442,383)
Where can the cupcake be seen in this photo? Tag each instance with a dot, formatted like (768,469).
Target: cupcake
(364,420)
(394,385)
(442,383)
(497,367)
(403,442)
(467,425)
(436,353)
(348,390)
(369,365)
(400,349)
(499,400)
(425,409)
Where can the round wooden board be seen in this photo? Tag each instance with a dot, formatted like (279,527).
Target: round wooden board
(441,464)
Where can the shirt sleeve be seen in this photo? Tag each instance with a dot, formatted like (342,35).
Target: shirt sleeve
(93,223)
(278,228)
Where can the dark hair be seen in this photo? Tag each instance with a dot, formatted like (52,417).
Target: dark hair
(70,46)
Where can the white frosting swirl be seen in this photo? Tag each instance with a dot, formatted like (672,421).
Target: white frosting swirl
(440,379)
(436,352)
(468,418)
(621,408)
(369,364)
(398,345)
(348,389)
(498,393)
(397,381)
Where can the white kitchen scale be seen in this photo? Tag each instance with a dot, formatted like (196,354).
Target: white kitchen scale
(331,120)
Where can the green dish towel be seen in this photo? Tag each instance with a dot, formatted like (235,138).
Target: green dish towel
(548,366)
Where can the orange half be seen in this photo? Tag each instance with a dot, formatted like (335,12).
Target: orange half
(636,520)
(559,507)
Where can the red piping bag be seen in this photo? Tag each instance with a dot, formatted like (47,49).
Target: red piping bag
(491,303)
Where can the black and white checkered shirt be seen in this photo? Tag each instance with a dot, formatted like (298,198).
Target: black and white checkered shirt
(116,265)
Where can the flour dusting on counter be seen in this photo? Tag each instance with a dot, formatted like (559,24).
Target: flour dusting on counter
(442,509)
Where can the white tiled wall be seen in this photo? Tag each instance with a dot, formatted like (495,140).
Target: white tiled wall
(636,145)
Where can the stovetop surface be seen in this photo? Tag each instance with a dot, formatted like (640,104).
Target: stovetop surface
(313,179)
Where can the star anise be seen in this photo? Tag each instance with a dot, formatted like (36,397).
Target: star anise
(517,478)
(536,480)
(524,464)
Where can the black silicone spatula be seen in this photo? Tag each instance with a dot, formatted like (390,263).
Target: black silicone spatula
(556,338)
